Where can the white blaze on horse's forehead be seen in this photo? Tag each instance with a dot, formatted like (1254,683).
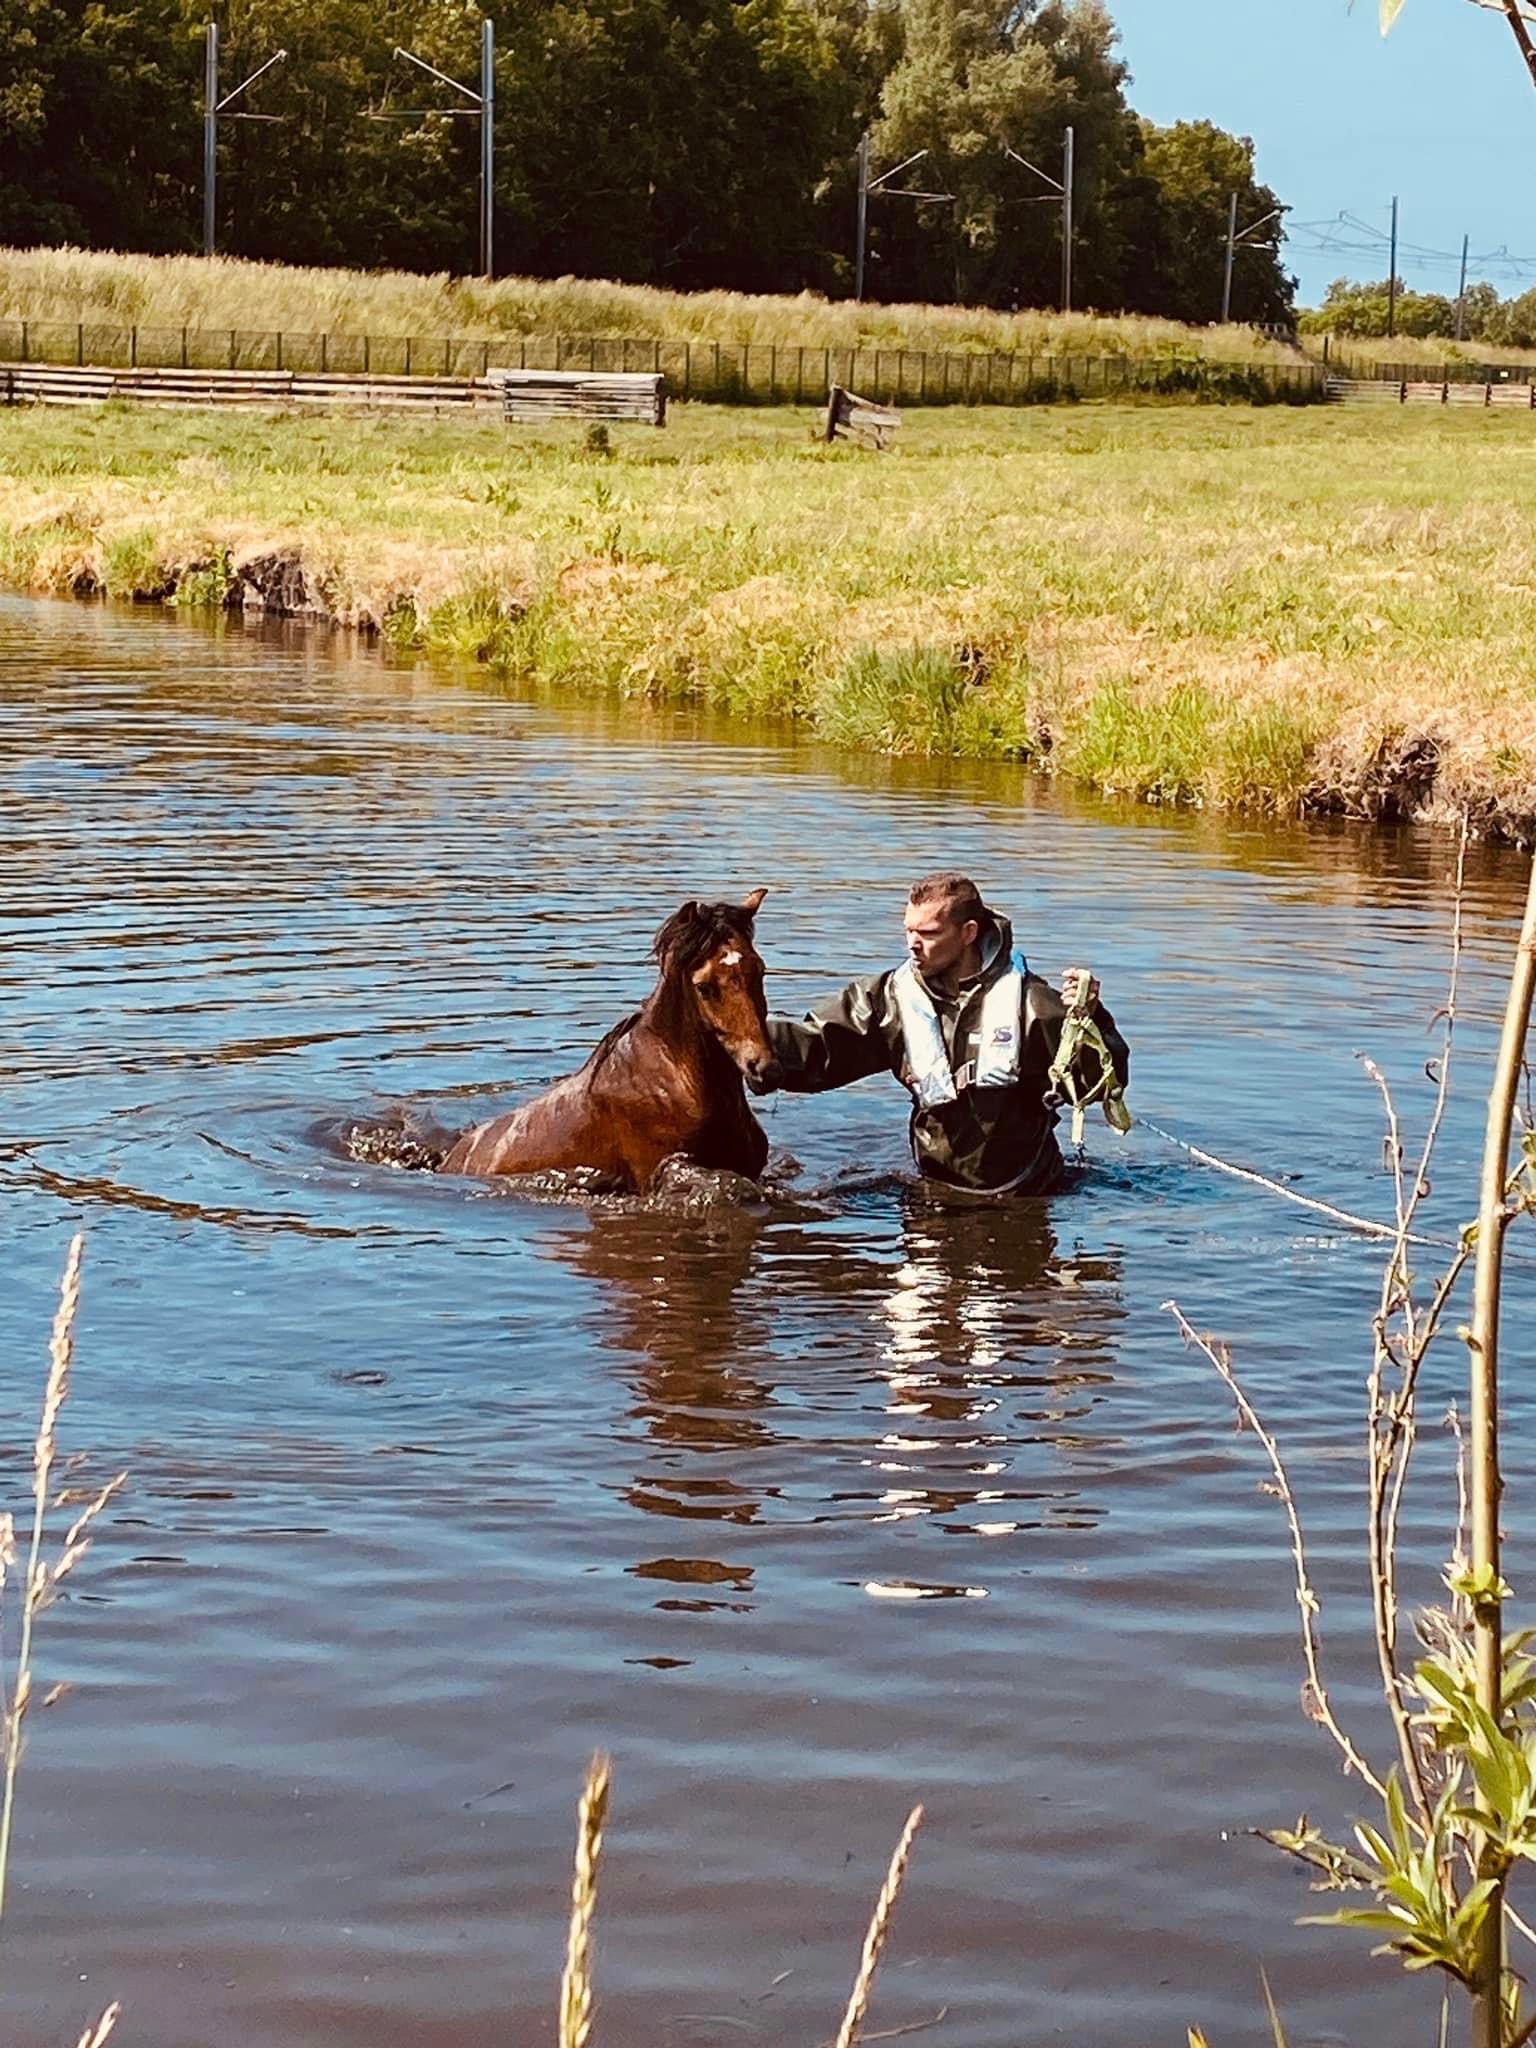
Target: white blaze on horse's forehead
(731,959)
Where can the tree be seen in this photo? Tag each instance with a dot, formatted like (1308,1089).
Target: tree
(678,144)
(1192,169)
(976,80)
(98,123)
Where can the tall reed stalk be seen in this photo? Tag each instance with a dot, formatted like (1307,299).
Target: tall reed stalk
(44,1573)
(576,1982)
(875,1938)
(1493,1219)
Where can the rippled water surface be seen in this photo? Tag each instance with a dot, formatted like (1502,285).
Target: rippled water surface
(434,1490)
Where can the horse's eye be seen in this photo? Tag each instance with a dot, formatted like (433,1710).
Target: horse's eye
(709,987)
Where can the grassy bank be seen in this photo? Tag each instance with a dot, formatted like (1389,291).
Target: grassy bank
(1430,350)
(74,285)
(1235,607)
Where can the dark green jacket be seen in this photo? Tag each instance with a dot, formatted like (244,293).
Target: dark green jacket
(988,1139)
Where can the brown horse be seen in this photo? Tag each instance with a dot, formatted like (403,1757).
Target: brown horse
(668,1079)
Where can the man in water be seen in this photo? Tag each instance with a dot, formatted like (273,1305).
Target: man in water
(969,1032)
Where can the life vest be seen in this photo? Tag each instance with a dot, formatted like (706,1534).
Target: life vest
(999,1038)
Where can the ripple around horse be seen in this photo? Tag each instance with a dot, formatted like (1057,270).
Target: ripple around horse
(664,1082)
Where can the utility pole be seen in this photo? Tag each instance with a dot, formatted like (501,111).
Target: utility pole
(1236,241)
(487,148)
(210,129)
(1062,185)
(858,261)
(1461,289)
(1392,277)
(483,109)
(213,107)
(868,185)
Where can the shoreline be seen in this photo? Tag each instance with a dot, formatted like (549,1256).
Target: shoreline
(1217,613)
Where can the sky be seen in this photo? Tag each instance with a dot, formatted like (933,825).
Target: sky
(1442,113)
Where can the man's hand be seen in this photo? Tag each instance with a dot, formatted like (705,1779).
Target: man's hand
(1079,989)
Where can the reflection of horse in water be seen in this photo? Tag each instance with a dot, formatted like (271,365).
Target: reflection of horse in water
(666,1081)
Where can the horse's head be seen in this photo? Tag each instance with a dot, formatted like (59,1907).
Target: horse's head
(708,947)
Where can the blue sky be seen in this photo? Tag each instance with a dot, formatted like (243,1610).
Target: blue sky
(1442,113)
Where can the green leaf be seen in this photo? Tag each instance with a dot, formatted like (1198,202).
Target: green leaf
(1474,1907)
(1482,1586)
(1361,1916)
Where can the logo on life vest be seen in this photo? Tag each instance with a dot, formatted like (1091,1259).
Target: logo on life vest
(1003,1035)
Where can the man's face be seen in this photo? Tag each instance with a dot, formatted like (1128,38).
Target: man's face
(936,941)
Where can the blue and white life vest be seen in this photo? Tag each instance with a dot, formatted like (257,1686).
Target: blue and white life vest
(998,1040)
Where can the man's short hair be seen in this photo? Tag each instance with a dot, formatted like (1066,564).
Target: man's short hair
(957,897)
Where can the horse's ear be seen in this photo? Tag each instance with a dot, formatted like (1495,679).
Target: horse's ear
(750,904)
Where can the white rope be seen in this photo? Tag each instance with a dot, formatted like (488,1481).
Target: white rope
(1274,1187)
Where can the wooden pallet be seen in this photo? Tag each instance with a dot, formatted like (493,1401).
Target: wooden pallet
(582,394)
(1435,391)
(851,418)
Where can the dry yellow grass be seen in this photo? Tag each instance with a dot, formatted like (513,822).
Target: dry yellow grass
(576,1982)
(72,285)
(878,1931)
(43,1575)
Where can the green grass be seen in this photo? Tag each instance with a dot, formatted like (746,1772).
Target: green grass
(1221,606)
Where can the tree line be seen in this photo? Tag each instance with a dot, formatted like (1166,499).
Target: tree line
(1353,308)
(682,143)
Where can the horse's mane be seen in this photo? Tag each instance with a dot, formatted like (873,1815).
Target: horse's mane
(695,931)
(603,1050)
(685,942)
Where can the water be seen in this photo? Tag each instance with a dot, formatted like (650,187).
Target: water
(432,1491)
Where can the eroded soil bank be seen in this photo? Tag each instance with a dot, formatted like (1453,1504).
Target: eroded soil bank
(1272,610)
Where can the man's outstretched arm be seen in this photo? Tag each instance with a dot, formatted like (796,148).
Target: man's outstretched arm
(842,1039)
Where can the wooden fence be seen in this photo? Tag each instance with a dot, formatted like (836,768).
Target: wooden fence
(91,384)
(1342,362)
(1431,391)
(735,373)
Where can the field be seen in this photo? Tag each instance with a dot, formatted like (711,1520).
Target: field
(1220,606)
(71,285)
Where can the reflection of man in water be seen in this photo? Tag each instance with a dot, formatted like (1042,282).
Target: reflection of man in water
(968,1031)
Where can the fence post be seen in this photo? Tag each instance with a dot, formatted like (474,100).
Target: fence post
(79,343)
(367,356)
(558,348)
(447,356)
(232,349)
(183,347)
(133,348)
(485,360)
(408,355)
(279,362)
(25,356)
